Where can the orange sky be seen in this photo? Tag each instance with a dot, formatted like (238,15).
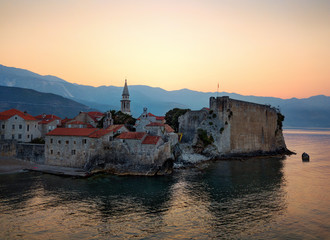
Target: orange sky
(251,47)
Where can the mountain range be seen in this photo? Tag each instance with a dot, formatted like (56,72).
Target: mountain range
(307,112)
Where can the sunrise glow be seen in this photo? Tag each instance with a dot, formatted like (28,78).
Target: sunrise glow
(263,48)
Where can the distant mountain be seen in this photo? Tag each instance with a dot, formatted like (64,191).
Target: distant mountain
(309,112)
(36,103)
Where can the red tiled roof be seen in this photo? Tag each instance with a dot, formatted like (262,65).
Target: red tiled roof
(79,132)
(76,122)
(99,133)
(132,135)
(151,140)
(160,118)
(48,116)
(151,115)
(95,115)
(168,128)
(63,121)
(12,112)
(155,124)
(46,121)
(116,127)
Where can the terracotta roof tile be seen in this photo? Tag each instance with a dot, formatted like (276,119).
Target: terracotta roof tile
(99,133)
(168,128)
(78,132)
(12,112)
(132,135)
(155,124)
(48,116)
(76,122)
(116,127)
(46,121)
(151,140)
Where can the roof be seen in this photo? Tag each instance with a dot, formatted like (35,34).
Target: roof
(116,127)
(46,121)
(151,140)
(102,132)
(168,128)
(160,118)
(151,115)
(76,122)
(155,124)
(12,112)
(78,132)
(132,135)
(64,121)
(125,90)
(95,115)
(99,133)
(48,116)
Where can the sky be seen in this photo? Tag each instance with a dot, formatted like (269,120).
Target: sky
(252,47)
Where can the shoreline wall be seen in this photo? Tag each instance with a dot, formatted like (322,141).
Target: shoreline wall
(234,127)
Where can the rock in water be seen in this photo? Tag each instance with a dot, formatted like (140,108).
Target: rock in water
(305,157)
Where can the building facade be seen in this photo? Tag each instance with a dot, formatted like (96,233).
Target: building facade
(17,125)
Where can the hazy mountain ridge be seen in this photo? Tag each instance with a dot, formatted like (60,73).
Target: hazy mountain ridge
(36,103)
(307,112)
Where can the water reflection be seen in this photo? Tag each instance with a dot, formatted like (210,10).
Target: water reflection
(222,199)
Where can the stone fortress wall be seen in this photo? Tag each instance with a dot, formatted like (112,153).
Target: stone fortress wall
(237,127)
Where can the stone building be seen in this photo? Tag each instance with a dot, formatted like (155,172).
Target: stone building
(17,125)
(47,123)
(90,119)
(147,118)
(73,147)
(125,102)
(234,127)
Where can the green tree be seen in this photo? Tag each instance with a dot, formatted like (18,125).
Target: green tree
(172,117)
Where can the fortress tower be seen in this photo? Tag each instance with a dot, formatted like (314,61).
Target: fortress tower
(125,102)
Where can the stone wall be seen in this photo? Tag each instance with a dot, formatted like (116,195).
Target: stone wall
(235,127)
(24,151)
(31,152)
(118,157)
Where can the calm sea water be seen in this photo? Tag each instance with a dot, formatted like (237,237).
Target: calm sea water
(263,198)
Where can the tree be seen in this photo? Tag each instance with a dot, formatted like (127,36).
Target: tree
(172,117)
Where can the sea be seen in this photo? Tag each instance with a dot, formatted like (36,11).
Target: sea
(260,198)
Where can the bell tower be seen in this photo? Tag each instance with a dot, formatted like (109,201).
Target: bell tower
(125,102)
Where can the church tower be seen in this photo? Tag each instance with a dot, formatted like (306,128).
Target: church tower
(125,102)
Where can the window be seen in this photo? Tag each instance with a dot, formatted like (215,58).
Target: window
(74,142)
(3,126)
(28,127)
(19,136)
(59,141)
(110,138)
(67,142)
(28,136)
(73,152)
(13,127)
(20,126)
(51,151)
(84,141)
(13,136)
(51,140)
(58,153)
(15,118)
(2,137)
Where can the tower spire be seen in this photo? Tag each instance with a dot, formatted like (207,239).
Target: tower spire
(125,102)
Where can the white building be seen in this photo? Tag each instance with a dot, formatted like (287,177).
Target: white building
(17,125)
